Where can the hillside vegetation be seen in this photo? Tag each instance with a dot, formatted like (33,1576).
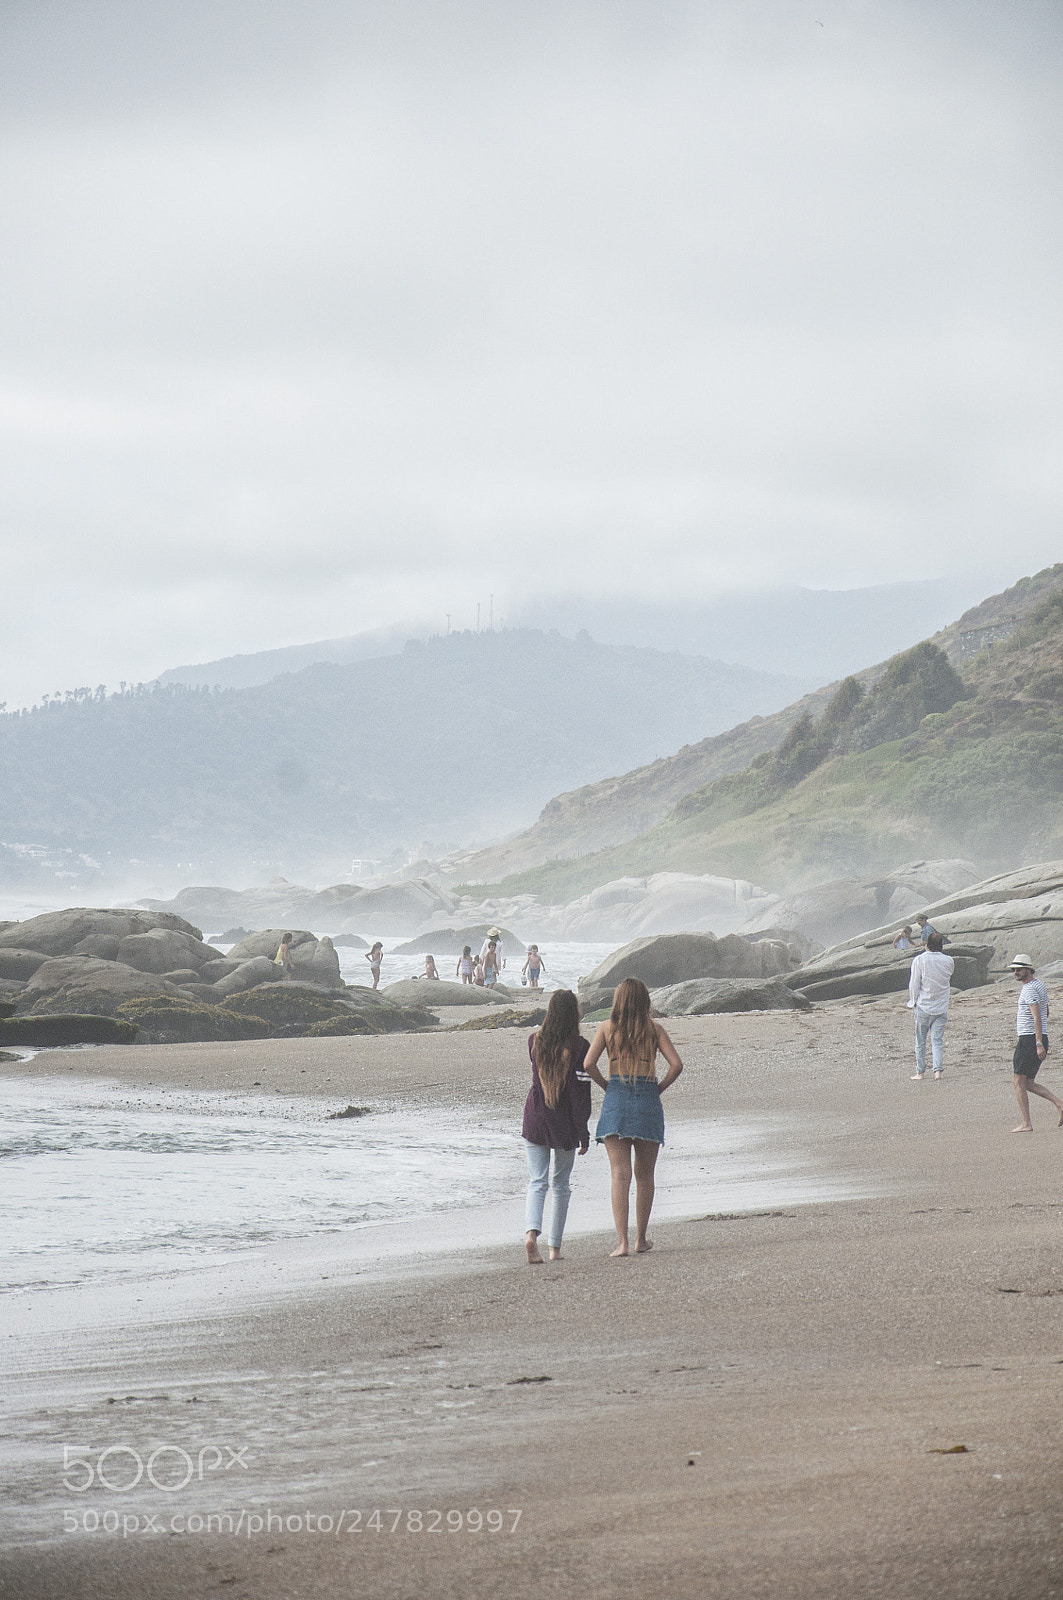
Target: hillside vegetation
(462,736)
(953,748)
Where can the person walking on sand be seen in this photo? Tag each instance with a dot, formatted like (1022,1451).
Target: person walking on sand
(463,970)
(631,1123)
(374,958)
(1031,1046)
(556,1117)
(284,959)
(533,966)
(928,996)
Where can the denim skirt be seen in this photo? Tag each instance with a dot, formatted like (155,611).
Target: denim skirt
(632,1110)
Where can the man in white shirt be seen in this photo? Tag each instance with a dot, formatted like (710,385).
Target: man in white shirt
(928,996)
(1031,1044)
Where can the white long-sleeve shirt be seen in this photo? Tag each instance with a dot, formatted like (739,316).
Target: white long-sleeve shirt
(928,987)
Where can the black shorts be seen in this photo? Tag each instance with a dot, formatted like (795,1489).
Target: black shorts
(1025,1062)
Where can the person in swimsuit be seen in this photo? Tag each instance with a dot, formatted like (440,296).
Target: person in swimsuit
(556,1116)
(631,1124)
(430,969)
(284,959)
(463,970)
(374,957)
(490,965)
(478,972)
(533,966)
(903,940)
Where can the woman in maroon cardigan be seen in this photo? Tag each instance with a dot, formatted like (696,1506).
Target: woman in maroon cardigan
(556,1117)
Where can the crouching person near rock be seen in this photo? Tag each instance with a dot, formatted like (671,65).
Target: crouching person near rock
(928,996)
(556,1120)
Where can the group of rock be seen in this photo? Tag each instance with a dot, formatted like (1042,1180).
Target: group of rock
(101,976)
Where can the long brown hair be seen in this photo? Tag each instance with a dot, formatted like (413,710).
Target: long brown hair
(631,1030)
(560,1031)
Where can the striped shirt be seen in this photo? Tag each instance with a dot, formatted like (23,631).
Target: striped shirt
(1033,993)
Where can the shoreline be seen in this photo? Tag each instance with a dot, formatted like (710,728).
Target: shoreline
(775,1384)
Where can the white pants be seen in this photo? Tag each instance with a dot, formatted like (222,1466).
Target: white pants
(548,1169)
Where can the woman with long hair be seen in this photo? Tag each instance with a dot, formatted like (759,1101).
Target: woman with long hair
(631,1124)
(556,1117)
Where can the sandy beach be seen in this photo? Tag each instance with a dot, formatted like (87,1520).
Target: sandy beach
(769,1404)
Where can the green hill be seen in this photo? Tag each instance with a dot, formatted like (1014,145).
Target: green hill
(952,748)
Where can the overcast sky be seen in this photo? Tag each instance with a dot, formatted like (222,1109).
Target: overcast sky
(317,316)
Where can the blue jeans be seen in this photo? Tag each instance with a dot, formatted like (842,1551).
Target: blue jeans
(548,1169)
(926,1022)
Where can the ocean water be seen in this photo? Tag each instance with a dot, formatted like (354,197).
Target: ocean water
(565,963)
(100,1184)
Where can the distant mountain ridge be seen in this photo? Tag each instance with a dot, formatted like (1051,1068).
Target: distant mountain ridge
(459,737)
(652,819)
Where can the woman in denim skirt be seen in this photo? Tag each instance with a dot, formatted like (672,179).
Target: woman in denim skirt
(631,1124)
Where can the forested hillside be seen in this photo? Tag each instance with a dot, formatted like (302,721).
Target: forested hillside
(460,737)
(953,748)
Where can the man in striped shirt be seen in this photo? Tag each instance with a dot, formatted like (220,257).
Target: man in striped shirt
(1031,1048)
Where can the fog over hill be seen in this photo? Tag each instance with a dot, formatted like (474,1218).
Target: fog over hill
(813,634)
(953,748)
(452,740)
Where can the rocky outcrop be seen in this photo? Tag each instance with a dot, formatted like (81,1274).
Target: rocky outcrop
(82,985)
(342,908)
(315,960)
(843,973)
(677,957)
(438,992)
(20,965)
(847,907)
(701,997)
(53,1032)
(986,923)
(248,975)
(166,1019)
(163,950)
(665,902)
(293,1009)
(62,933)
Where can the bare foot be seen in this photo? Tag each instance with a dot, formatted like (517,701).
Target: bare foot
(531,1247)
(555,1253)
(640,1249)
(1022,1128)
(621,1250)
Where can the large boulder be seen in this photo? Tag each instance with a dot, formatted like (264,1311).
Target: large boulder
(164,950)
(701,997)
(247,975)
(164,1019)
(60,933)
(80,984)
(20,964)
(665,902)
(315,959)
(439,992)
(848,907)
(294,1009)
(844,973)
(53,1032)
(1013,911)
(672,958)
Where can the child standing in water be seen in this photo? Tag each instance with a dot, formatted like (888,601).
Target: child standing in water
(430,967)
(556,1116)
(533,966)
(491,965)
(374,958)
(463,970)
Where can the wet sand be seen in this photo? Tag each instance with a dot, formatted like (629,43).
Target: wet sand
(754,1409)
